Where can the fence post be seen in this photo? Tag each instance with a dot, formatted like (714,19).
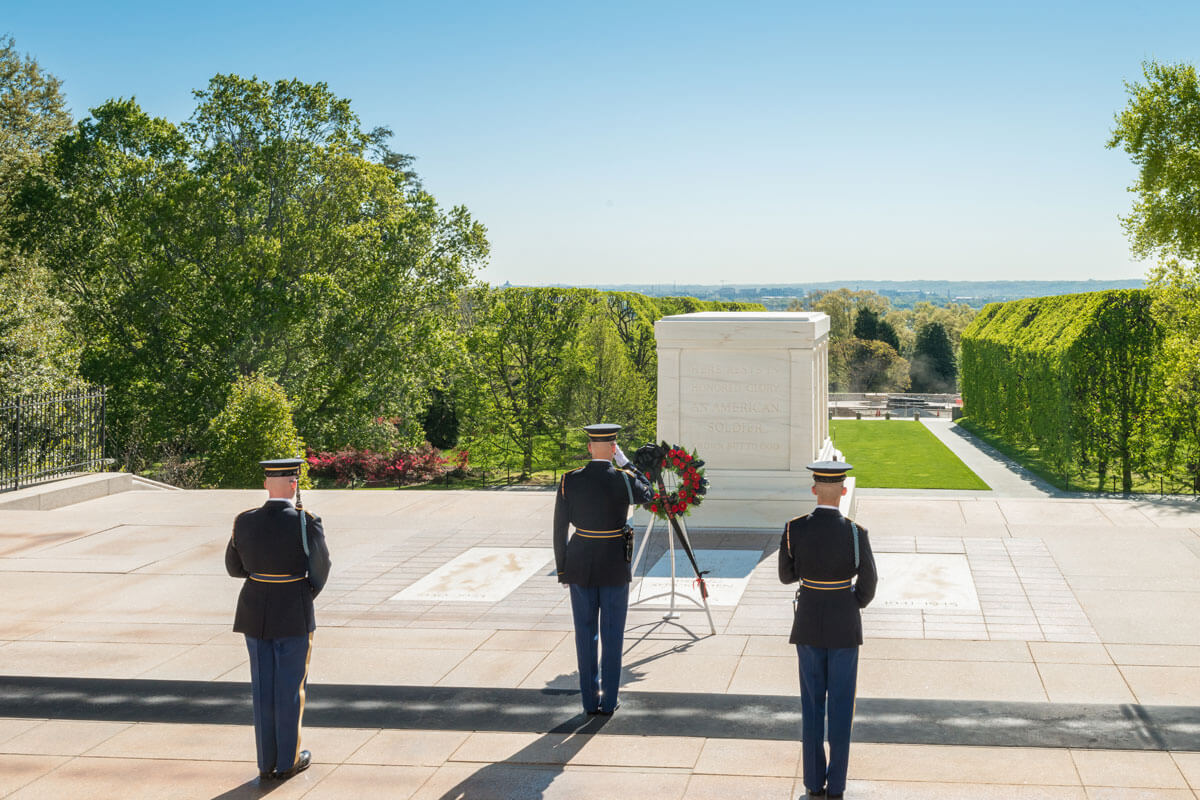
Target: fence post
(103,421)
(17,446)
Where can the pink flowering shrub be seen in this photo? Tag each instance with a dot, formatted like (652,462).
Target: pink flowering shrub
(400,467)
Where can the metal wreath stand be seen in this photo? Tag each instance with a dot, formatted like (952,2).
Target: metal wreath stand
(675,527)
(673,592)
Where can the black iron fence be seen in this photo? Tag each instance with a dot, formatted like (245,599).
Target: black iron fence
(44,436)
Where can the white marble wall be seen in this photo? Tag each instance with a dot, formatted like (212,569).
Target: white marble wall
(749,392)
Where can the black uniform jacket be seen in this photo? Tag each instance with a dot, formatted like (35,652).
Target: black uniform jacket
(820,547)
(593,498)
(267,541)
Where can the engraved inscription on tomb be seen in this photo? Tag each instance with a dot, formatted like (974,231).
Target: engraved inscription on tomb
(734,408)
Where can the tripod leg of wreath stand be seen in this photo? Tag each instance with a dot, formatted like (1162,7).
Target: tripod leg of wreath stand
(637,559)
(703,596)
(671,613)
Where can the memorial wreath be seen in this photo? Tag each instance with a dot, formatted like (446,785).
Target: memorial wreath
(689,483)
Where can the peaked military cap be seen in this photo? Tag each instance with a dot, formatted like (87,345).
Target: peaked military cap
(602,432)
(829,471)
(281,467)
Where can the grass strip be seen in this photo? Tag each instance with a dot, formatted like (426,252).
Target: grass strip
(1079,480)
(900,454)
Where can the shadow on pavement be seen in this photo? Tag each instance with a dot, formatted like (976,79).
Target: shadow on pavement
(526,774)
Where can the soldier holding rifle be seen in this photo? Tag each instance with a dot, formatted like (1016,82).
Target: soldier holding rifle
(594,562)
(280,550)
(824,551)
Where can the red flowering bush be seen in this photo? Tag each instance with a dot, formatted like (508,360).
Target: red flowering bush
(398,468)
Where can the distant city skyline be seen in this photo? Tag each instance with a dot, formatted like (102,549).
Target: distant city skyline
(778,296)
(756,143)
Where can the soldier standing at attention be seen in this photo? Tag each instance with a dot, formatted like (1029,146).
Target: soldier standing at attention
(824,551)
(595,562)
(285,562)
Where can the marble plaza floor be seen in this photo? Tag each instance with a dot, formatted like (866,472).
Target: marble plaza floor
(1021,647)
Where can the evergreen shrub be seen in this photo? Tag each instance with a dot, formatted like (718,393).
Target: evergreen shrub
(256,424)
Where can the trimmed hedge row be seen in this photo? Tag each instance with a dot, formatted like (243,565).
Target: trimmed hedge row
(1070,375)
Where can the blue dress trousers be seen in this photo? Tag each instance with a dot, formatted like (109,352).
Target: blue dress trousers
(595,500)
(275,613)
(837,579)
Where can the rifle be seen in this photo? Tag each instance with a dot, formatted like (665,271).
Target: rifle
(303,521)
(683,540)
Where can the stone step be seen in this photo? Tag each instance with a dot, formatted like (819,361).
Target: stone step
(77,489)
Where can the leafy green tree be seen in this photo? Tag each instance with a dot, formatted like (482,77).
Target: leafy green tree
(842,306)
(269,233)
(33,114)
(522,345)
(933,368)
(1160,129)
(953,317)
(887,334)
(440,422)
(37,351)
(255,424)
(607,386)
(896,330)
(866,324)
(632,317)
(867,365)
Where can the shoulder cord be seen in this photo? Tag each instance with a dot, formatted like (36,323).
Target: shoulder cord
(628,491)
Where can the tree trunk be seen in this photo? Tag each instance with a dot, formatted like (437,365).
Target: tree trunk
(527,460)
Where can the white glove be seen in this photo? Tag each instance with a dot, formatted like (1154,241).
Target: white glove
(619,457)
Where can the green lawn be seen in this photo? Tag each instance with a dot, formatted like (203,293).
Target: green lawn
(898,454)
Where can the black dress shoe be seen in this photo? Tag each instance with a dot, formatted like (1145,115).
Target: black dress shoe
(816,792)
(604,713)
(302,762)
(269,775)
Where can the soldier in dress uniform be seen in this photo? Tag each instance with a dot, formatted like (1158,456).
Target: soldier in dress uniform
(285,564)
(594,563)
(825,551)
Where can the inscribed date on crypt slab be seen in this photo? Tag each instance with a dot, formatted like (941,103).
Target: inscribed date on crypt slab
(925,581)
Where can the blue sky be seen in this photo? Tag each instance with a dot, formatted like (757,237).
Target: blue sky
(694,142)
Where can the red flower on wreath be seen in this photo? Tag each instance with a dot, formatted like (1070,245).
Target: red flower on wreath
(689,482)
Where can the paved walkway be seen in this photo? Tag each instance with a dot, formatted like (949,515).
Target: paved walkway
(1074,672)
(1006,477)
